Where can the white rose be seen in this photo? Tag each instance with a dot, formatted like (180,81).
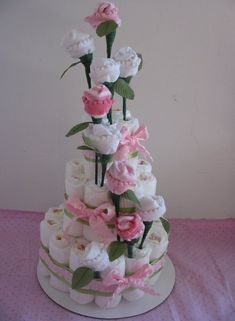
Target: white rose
(104,70)
(78,43)
(157,239)
(151,208)
(105,138)
(129,61)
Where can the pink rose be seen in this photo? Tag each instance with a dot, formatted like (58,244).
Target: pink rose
(105,11)
(97,100)
(120,177)
(129,227)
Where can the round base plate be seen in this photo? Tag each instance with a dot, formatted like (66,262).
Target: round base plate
(163,286)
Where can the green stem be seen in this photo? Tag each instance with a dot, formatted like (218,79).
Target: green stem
(147,226)
(109,42)
(104,167)
(110,85)
(86,60)
(124,108)
(96,120)
(96,168)
(129,250)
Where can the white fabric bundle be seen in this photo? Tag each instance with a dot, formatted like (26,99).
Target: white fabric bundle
(119,264)
(55,213)
(75,228)
(47,228)
(157,240)
(58,284)
(131,124)
(117,114)
(42,269)
(89,165)
(95,195)
(140,257)
(77,251)
(148,183)
(59,248)
(151,208)
(104,302)
(144,167)
(74,168)
(75,186)
(80,298)
(93,256)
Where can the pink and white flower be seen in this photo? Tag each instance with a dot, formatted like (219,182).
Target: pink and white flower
(120,177)
(97,101)
(151,208)
(129,227)
(105,11)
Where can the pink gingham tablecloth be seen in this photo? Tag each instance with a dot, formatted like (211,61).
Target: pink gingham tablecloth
(203,252)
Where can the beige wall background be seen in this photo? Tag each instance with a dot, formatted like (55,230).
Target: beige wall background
(185,94)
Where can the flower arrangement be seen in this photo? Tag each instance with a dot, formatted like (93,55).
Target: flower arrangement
(124,220)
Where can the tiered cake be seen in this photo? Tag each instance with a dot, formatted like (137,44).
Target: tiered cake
(108,240)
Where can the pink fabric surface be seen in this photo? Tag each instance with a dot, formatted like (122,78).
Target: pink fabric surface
(203,252)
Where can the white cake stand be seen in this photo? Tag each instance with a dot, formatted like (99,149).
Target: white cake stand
(163,286)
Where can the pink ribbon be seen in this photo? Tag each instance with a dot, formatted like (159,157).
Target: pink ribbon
(132,140)
(96,217)
(136,280)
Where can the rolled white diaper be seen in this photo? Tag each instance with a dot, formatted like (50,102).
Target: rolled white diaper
(75,186)
(149,183)
(106,302)
(75,168)
(95,195)
(151,208)
(55,213)
(59,248)
(118,264)
(131,124)
(77,251)
(81,298)
(117,114)
(42,269)
(58,284)
(47,228)
(92,255)
(143,167)
(75,228)
(89,165)
(157,240)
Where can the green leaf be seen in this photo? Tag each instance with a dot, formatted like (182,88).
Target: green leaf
(84,147)
(81,277)
(74,64)
(130,195)
(165,224)
(142,61)
(77,128)
(106,27)
(116,249)
(87,140)
(122,88)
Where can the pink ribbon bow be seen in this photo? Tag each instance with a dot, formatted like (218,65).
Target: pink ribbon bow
(136,280)
(96,217)
(131,141)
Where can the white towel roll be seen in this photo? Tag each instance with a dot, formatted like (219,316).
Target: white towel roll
(143,168)
(140,257)
(80,298)
(95,195)
(133,295)
(42,269)
(148,183)
(151,208)
(74,167)
(59,248)
(47,228)
(75,186)
(94,256)
(58,284)
(157,240)
(119,264)
(77,251)
(89,165)
(131,124)
(105,302)
(55,213)
(75,229)
(117,114)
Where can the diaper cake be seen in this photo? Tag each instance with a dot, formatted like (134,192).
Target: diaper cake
(107,242)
